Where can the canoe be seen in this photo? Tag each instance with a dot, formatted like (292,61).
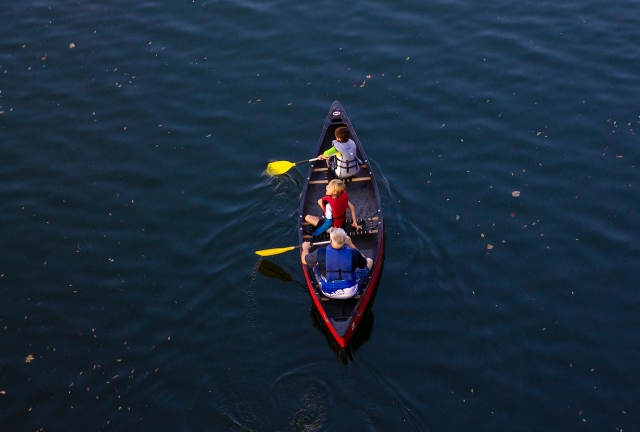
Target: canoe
(342,317)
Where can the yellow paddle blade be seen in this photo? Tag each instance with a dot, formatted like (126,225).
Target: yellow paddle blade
(274,251)
(279,167)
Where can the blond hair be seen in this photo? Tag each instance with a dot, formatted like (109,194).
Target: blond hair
(336,187)
(338,237)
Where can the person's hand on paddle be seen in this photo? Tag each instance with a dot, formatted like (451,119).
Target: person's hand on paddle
(305,248)
(322,157)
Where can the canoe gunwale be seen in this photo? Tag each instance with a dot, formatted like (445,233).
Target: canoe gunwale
(374,239)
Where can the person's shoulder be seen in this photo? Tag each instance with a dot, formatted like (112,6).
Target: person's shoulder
(358,258)
(312,258)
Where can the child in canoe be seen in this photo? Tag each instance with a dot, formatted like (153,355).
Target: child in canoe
(334,208)
(345,164)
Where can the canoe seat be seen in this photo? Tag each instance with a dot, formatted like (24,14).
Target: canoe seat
(357,179)
(364,222)
(324,169)
(326,299)
(347,180)
(352,234)
(329,175)
(369,226)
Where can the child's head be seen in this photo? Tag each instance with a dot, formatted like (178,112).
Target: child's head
(336,187)
(342,134)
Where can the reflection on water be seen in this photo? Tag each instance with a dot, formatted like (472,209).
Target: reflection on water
(272,270)
(362,335)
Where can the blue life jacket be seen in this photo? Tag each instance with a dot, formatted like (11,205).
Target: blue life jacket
(340,273)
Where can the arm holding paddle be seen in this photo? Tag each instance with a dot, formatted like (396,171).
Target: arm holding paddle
(326,155)
(306,247)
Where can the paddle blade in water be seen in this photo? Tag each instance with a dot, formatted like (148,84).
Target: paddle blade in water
(279,167)
(274,251)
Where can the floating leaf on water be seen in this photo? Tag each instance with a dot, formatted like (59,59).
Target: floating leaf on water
(29,359)
(489,246)
(457,217)
(72,45)
(515,193)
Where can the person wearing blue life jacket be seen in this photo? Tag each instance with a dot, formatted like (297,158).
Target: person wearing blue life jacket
(339,267)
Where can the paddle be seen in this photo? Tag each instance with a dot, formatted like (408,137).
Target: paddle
(281,167)
(276,251)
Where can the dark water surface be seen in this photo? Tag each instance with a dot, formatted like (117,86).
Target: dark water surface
(133,197)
